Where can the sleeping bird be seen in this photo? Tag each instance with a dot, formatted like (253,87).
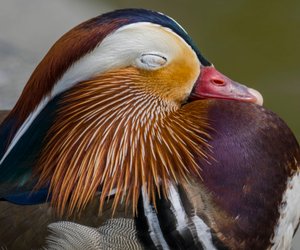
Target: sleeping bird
(127,137)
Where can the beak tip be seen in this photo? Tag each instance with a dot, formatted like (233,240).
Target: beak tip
(259,98)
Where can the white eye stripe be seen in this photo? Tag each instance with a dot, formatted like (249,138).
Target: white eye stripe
(151,61)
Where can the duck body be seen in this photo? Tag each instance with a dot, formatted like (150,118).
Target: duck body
(238,201)
(126,137)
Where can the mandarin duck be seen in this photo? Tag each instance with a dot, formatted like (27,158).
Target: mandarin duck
(126,137)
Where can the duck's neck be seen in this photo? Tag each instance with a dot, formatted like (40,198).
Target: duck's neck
(111,134)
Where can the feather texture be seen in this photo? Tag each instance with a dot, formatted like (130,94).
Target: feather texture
(113,234)
(119,136)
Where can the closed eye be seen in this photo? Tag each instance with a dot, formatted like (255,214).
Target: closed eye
(151,61)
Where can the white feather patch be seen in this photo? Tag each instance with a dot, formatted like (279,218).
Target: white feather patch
(289,215)
(178,209)
(203,233)
(153,223)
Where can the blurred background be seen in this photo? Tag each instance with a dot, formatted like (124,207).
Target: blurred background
(253,42)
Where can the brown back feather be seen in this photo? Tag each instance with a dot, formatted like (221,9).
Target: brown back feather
(67,50)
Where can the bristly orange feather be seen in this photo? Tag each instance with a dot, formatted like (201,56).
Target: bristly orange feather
(111,133)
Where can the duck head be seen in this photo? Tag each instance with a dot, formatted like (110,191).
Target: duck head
(106,110)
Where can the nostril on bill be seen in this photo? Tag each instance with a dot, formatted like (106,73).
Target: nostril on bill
(218,82)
